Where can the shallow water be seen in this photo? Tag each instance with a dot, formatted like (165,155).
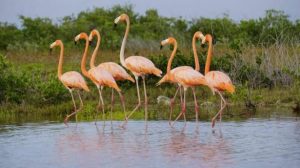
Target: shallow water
(272,142)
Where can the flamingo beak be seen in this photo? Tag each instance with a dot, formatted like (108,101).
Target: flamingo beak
(75,42)
(115,25)
(161,46)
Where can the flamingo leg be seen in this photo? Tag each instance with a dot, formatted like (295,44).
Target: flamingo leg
(172,104)
(139,100)
(220,111)
(183,109)
(146,100)
(196,105)
(180,92)
(100,104)
(112,105)
(81,104)
(123,103)
(75,110)
(223,104)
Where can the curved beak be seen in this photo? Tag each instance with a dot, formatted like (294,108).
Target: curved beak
(75,42)
(115,25)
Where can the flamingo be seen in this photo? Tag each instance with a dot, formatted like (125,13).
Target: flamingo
(217,79)
(169,77)
(99,76)
(185,76)
(139,66)
(118,72)
(71,80)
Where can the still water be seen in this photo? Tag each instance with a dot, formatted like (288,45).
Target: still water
(253,142)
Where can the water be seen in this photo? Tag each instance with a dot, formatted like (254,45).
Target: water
(254,142)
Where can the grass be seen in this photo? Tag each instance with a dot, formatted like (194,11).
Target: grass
(287,95)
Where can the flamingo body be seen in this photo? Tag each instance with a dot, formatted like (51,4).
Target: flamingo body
(102,77)
(118,72)
(189,78)
(140,66)
(74,80)
(220,81)
(170,77)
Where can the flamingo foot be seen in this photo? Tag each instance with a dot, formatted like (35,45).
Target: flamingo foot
(213,122)
(66,121)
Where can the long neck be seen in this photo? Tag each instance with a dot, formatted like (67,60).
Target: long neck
(83,61)
(171,58)
(122,52)
(209,55)
(61,61)
(92,61)
(197,66)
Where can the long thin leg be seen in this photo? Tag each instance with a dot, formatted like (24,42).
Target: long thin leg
(146,100)
(183,109)
(102,105)
(123,103)
(196,105)
(81,104)
(139,99)
(112,105)
(172,104)
(223,104)
(75,110)
(220,111)
(180,92)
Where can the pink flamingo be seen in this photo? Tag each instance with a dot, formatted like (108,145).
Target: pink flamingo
(169,77)
(71,80)
(217,79)
(99,76)
(118,73)
(138,65)
(185,76)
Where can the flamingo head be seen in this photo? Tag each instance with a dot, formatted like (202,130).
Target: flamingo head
(80,36)
(93,33)
(199,35)
(169,40)
(123,17)
(206,38)
(54,44)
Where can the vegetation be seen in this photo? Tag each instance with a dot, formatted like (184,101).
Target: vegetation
(260,55)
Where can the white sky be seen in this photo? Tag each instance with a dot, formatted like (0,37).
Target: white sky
(237,9)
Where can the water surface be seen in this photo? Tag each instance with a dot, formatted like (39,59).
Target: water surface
(255,142)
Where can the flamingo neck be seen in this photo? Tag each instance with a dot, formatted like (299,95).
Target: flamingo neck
(92,61)
(83,60)
(122,51)
(171,57)
(209,56)
(61,60)
(197,66)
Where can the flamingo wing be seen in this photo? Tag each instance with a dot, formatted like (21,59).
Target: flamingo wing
(73,79)
(116,71)
(141,66)
(220,81)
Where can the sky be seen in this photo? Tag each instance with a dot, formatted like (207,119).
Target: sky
(188,9)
